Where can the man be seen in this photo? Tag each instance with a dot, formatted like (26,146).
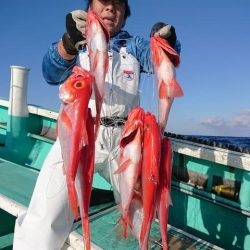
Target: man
(45,225)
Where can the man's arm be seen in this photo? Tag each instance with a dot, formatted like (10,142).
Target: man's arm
(55,68)
(60,58)
(140,49)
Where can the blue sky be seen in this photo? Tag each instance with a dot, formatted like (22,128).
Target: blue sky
(215,58)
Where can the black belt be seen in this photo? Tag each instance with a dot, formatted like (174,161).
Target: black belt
(113,121)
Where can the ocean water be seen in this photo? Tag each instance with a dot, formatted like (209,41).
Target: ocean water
(240,144)
(243,142)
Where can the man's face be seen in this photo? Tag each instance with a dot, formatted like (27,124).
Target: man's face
(112,12)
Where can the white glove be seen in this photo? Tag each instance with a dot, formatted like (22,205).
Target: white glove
(74,38)
(166,31)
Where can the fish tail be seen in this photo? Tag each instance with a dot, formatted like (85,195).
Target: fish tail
(143,244)
(164,244)
(143,237)
(162,210)
(86,233)
(124,223)
(73,198)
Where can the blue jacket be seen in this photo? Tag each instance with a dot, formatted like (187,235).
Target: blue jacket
(56,69)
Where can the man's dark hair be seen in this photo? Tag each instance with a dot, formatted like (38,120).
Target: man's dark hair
(127,8)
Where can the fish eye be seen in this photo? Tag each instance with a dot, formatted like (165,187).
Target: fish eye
(78,84)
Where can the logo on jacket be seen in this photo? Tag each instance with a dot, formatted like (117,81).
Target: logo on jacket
(128,74)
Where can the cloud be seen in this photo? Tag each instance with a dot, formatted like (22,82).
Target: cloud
(237,125)
(241,119)
(213,122)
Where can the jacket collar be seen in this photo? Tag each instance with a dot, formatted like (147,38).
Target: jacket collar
(119,40)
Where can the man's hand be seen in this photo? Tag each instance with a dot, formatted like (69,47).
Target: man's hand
(74,38)
(166,31)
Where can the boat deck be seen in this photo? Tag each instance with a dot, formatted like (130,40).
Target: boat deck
(108,234)
(16,186)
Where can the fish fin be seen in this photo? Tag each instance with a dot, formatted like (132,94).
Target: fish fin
(72,194)
(74,202)
(123,166)
(84,137)
(124,223)
(168,199)
(69,211)
(176,90)
(95,63)
(118,208)
(162,92)
(65,119)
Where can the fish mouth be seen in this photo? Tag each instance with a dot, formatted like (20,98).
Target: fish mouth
(128,138)
(64,96)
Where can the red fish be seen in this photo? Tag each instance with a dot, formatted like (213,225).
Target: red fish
(97,37)
(163,199)
(165,59)
(72,132)
(130,160)
(86,169)
(149,175)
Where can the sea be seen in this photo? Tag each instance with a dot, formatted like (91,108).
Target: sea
(243,142)
(240,144)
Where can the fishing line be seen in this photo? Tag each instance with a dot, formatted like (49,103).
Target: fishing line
(155,98)
(117,95)
(148,96)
